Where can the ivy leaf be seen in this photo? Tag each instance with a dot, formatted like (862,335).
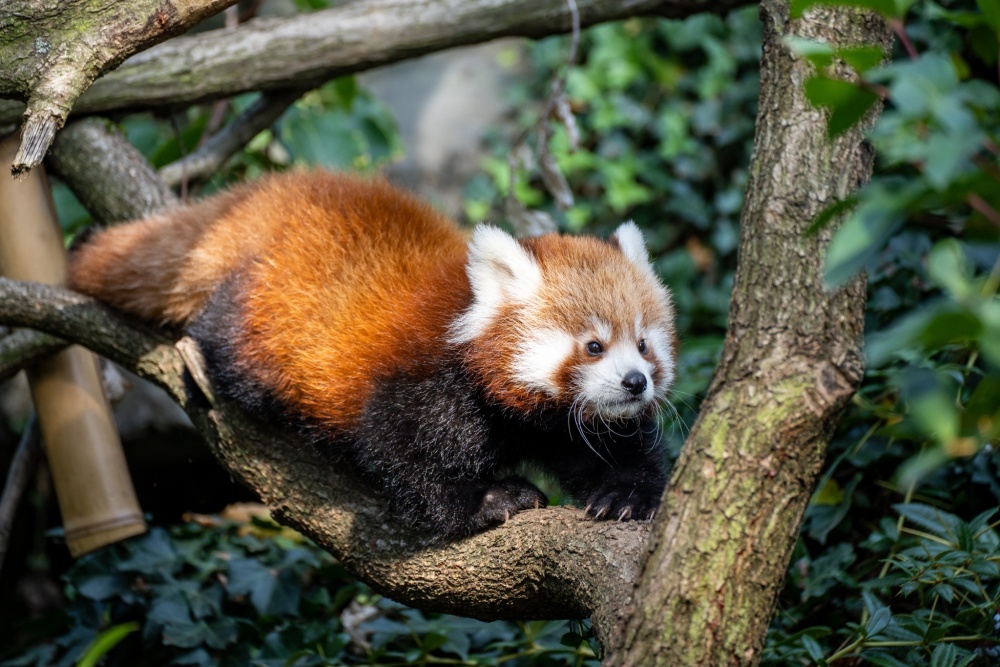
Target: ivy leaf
(862,58)
(847,102)
(863,234)
(271,592)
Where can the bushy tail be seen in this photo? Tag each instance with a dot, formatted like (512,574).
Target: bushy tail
(145,267)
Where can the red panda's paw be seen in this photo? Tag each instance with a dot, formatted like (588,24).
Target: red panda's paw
(623,503)
(505,498)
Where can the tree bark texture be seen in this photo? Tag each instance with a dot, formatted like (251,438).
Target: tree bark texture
(51,51)
(792,359)
(308,49)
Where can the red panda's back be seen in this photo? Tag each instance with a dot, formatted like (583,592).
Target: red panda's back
(362,284)
(343,281)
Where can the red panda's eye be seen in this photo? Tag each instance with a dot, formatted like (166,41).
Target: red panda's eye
(642,346)
(594,348)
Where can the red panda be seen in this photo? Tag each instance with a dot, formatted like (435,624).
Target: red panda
(431,360)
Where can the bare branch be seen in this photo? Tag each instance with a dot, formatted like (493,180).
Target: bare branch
(107,174)
(308,49)
(210,157)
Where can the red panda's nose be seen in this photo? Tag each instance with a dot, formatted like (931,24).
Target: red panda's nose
(634,382)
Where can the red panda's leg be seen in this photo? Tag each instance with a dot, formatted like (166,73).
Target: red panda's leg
(623,479)
(427,444)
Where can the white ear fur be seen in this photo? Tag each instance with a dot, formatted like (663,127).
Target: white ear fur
(500,271)
(632,245)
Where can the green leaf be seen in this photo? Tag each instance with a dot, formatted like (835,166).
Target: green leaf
(814,650)
(823,519)
(991,13)
(820,54)
(848,102)
(104,642)
(861,58)
(433,641)
(863,234)
(944,655)
(937,521)
(832,212)
(949,268)
(103,586)
(271,592)
(883,659)
(878,622)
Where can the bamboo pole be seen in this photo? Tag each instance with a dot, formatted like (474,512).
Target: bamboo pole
(92,482)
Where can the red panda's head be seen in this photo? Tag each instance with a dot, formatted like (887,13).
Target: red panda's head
(576,322)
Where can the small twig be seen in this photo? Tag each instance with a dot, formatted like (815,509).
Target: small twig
(25,460)
(552,177)
(981,205)
(904,39)
(210,157)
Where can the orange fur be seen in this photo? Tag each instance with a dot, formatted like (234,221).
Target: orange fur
(352,280)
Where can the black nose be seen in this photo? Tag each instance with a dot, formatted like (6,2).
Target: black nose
(634,382)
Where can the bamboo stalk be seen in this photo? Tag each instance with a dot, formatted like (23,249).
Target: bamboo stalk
(92,482)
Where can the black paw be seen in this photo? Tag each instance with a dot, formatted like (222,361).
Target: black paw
(505,498)
(623,502)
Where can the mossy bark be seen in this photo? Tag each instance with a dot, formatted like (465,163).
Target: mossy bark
(792,360)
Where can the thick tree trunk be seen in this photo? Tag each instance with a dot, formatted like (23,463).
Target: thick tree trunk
(792,359)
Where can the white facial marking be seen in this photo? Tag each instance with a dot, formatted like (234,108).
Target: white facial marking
(603,329)
(500,271)
(600,383)
(541,357)
(660,343)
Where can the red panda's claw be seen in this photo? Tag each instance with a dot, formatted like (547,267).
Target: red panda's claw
(503,499)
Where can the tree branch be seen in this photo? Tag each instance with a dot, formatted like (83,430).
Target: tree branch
(49,56)
(209,158)
(548,563)
(106,173)
(309,49)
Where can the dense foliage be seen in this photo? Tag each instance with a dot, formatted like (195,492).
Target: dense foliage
(229,593)
(899,557)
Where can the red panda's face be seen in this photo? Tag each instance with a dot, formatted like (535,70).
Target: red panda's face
(579,322)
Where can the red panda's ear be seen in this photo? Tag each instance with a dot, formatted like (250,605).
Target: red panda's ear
(630,242)
(501,271)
